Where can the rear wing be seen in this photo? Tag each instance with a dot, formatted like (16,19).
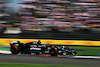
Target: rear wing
(14,42)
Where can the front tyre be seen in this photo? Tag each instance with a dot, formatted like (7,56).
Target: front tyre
(53,52)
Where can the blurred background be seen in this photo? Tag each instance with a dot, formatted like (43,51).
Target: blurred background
(47,15)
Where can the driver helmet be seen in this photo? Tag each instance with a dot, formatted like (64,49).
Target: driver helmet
(63,47)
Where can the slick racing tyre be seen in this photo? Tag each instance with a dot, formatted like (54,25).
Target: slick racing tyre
(14,49)
(73,51)
(53,52)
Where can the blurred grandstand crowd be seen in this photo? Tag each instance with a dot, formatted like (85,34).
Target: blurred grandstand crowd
(43,15)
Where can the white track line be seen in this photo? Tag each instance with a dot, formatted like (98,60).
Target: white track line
(88,57)
(5,52)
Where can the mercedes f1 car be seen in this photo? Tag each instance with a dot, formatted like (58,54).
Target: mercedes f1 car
(36,48)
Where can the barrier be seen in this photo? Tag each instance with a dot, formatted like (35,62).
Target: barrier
(6,41)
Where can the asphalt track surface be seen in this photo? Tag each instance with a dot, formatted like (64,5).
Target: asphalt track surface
(48,60)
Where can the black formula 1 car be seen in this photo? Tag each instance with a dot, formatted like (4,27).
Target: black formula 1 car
(36,48)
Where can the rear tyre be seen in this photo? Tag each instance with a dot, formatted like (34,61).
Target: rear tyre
(14,49)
